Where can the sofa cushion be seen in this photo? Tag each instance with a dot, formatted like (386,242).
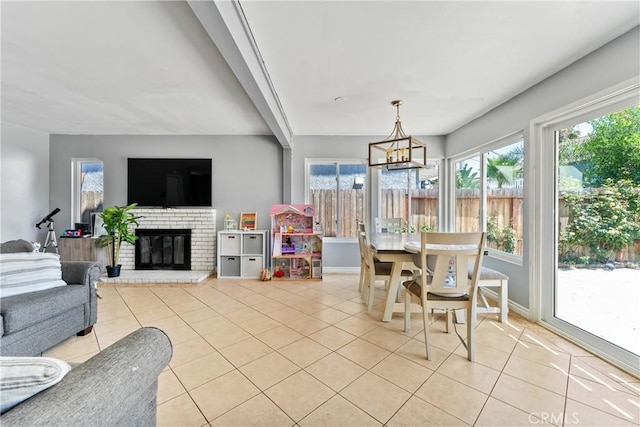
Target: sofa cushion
(13,246)
(21,311)
(22,377)
(29,272)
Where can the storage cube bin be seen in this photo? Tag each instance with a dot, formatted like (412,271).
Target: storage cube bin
(230,244)
(230,266)
(251,266)
(252,244)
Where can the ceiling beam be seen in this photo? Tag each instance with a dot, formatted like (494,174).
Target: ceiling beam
(225,23)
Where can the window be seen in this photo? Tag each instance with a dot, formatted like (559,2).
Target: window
(337,189)
(411,190)
(88,189)
(489,194)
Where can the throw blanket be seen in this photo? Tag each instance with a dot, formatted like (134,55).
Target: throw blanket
(29,272)
(22,377)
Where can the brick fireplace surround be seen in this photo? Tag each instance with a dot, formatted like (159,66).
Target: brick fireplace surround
(201,221)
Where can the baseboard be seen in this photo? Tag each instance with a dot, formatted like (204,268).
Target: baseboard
(341,270)
(513,306)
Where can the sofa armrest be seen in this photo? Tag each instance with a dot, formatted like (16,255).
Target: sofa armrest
(80,272)
(111,388)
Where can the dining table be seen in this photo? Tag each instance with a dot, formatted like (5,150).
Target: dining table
(390,247)
(400,249)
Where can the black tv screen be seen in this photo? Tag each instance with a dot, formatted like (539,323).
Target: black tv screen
(169,182)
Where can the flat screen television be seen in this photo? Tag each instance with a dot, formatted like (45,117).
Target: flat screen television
(169,182)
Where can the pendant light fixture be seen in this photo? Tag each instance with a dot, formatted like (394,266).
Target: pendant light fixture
(398,151)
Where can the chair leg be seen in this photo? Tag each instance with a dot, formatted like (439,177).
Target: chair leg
(504,302)
(365,284)
(362,277)
(471,350)
(427,343)
(371,284)
(407,311)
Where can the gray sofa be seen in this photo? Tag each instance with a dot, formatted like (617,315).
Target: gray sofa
(34,322)
(116,387)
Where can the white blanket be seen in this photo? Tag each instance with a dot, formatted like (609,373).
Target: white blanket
(29,272)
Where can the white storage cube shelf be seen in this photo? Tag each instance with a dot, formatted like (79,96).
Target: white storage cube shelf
(241,254)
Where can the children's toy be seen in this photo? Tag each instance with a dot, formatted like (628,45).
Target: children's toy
(265,275)
(296,245)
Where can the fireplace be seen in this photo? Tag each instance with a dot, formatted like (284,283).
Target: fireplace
(163,249)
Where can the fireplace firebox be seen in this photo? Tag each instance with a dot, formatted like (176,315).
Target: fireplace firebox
(163,249)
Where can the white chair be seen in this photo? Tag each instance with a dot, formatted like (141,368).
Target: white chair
(361,229)
(447,286)
(388,225)
(373,271)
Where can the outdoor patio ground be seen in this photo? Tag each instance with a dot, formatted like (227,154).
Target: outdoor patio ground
(603,302)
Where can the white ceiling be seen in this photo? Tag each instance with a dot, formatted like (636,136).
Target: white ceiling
(150,68)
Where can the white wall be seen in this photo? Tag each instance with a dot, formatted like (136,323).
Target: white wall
(246,169)
(24,183)
(612,64)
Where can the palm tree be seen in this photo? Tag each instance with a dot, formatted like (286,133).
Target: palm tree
(505,168)
(466,178)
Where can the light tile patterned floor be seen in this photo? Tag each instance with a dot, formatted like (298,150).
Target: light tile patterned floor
(304,353)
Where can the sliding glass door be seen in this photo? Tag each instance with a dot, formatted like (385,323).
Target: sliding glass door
(598,219)
(591,293)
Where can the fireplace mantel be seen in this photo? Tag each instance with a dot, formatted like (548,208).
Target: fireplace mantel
(201,221)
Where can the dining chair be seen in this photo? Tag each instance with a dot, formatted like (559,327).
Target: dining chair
(388,225)
(374,271)
(361,229)
(444,282)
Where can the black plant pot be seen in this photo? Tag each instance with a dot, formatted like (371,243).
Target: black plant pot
(113,270)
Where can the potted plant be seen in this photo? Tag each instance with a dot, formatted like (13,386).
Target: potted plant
(117,220)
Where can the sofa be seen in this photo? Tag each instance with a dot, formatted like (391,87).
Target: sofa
(118,386)
(33,322)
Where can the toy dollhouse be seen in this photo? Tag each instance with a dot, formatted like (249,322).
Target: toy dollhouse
(297,249)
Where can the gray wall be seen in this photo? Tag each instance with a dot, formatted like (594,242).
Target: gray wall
(246,169)
(610,65)
(24,183)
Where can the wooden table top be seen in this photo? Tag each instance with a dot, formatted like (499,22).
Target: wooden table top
(392,242)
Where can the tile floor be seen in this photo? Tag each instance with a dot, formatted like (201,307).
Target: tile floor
(305,354)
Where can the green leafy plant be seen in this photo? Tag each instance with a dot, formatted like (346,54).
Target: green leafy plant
(117,220)
(612,150)
(406,229)
(506,168)
(467,178)
(606,220)
(503,237)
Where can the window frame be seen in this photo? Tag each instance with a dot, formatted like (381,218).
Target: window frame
(308,162)
(376,189)
(76,185)
(482,151)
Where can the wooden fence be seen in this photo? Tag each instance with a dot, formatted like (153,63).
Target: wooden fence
(504,207)
(352,210)
(91,201)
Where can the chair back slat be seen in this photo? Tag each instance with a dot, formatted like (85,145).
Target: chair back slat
(445,260)
(388,225)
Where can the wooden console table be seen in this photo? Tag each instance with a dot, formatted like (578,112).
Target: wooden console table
(82,249)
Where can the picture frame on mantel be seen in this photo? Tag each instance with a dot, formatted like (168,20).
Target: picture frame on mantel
(248,220)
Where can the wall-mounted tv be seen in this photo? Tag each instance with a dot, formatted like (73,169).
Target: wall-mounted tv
(169,182)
